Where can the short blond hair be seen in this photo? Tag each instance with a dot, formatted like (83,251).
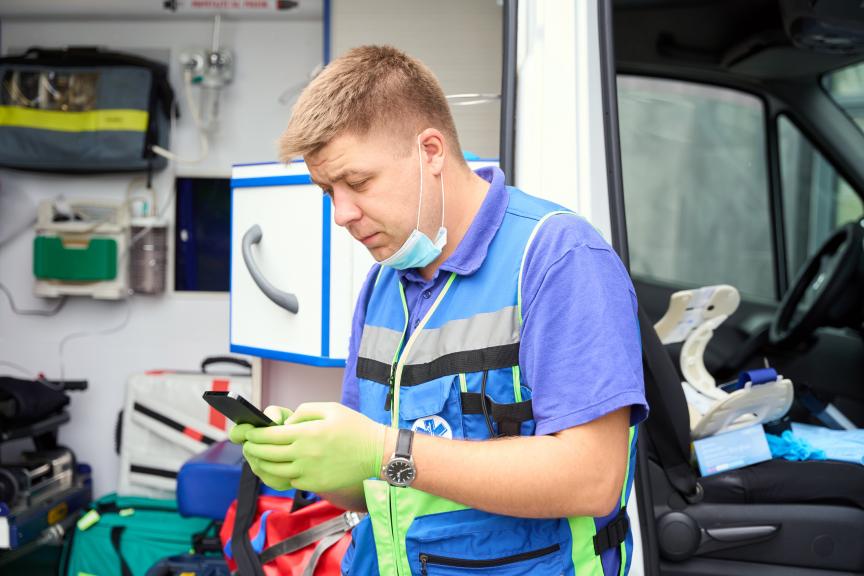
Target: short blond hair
(368,88)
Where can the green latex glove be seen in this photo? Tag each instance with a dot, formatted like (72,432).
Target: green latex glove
(322,447)
(278,414)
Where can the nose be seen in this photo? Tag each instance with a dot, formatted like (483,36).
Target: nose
(345,210)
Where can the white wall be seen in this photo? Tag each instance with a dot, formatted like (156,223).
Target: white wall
(169,331)
(460,40)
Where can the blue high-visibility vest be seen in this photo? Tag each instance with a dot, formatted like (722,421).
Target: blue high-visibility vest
(465,349)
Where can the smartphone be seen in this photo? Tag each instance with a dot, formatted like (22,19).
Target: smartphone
(237,409)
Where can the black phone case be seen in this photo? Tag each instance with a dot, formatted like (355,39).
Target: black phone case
(238,410)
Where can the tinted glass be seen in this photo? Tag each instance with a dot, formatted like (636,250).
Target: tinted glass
(695,184)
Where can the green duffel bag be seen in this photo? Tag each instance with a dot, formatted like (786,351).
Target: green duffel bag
(125,536)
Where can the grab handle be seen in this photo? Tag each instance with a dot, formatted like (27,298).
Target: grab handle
(286,300)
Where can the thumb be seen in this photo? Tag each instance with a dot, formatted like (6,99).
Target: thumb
(237,434)
(278,413)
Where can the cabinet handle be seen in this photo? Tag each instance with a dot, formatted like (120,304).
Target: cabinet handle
(286,300)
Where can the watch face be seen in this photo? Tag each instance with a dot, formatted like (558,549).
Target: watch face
(400,472)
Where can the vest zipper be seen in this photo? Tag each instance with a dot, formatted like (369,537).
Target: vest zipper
(392,383)
(464,563)
(396,375)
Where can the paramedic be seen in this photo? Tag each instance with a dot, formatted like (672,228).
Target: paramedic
(491,314)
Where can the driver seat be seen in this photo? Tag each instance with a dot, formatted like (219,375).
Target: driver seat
(777,517)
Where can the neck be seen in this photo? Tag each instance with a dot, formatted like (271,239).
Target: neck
(465,193)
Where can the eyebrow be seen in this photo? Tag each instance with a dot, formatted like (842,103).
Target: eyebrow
(344,174)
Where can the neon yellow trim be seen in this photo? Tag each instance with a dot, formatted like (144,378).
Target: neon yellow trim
(390,528)
(463,384)
(624,497)
(517,384)
(60,121)
(585,561)
(627,472)
(394,418)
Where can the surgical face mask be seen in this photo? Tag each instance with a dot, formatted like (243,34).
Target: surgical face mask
(418,250)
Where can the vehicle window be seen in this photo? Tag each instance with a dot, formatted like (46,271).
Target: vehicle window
(846,86)
(695,184)
(816,199)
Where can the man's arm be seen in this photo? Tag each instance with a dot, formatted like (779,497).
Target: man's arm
(350,498)
(575,472)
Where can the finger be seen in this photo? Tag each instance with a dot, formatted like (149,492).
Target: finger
(278,413)
(275,482)
(253,464)
(310,411)
(285,470)
(271,452)
(272,435)
(237,434)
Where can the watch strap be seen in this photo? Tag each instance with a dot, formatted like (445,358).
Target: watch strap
(404,441)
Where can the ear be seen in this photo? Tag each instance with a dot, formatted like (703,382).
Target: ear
(433,148)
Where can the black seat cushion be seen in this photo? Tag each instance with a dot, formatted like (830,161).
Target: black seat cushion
(787,482)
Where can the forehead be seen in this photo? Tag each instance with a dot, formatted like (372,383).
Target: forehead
(350,153)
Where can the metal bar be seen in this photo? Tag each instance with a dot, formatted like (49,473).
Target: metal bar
(614,177)
(507,148)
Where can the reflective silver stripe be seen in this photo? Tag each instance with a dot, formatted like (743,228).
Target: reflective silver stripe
(481,331)
(379,343)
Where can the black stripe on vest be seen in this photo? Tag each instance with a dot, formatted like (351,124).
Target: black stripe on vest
(466,362)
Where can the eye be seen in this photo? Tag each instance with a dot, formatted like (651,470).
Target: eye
(327,191)
(358,184)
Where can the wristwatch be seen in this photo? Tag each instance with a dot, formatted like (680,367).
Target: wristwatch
(399,470)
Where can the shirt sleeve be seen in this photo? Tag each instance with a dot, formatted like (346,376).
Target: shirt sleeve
(350,389)
(580,348)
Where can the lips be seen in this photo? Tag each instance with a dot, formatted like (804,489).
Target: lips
(366,240)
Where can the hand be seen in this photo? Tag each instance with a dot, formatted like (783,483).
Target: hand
(322,447)
(278,414)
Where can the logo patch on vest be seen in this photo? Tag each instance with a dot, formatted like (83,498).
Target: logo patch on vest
(433,426)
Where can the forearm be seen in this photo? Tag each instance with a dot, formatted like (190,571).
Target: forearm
(578,472)
(350,498)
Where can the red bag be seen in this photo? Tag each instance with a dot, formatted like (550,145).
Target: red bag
(284,536)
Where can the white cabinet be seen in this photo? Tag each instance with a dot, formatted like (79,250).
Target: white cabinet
(294,274)
(293,290)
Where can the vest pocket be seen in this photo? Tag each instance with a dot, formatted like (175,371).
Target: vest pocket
(475,542)
(432,407)
(446,563)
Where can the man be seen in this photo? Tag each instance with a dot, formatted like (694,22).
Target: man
(491,314)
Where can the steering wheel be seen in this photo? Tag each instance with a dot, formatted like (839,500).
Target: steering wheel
(825,293)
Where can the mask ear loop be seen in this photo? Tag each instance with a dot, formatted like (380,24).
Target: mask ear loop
(420,207)
(442,197)
(420,158)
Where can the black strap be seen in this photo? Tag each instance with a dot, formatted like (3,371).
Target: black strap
(613,534)
(333,527)
(248,563)
(301,500)
(509,417)
(225,360)
(116,534)
(404,441)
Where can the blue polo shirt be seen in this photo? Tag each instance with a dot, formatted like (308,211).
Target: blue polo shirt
(580,350)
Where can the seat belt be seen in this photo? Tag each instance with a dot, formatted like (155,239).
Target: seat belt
(674,459)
